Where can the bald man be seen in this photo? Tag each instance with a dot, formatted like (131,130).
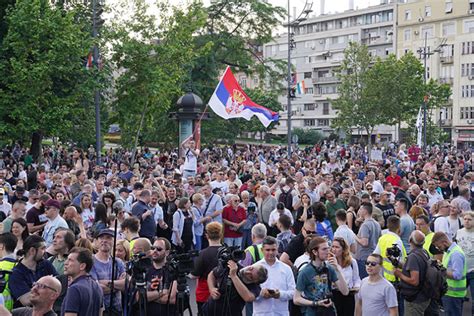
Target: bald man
(43,294)
(412,274)
(141,245)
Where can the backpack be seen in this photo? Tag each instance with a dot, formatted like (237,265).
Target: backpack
(287,199)
(433,283)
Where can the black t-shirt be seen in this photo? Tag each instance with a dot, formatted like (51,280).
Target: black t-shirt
(187,235)
(230,303)
(169,207)
(155,308)
(387,211)
(295,247)
(206,261)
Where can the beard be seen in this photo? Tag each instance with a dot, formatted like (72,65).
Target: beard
(243,276)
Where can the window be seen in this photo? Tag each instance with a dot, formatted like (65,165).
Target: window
(472,70)
(323,122)
(388,51)
(274,49)
(427,10)
(467,112)
(448,7)
(467,48)
(243,81)
(428,30)
(407,35)
(407,15)
(463,70)
(469,26)
(309,90)
(309,122)
(307,75)
(449,29)
(467,91)
(373,52)
(325,108)
(255,81)
(309,106)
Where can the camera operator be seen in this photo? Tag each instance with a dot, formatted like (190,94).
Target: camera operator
(161,294)
(314,284)
(231,287)
(206,261)
(412,275)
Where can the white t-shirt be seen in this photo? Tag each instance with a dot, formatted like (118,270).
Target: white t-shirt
(190,162)
(441,224)
(465,240)
(301,261)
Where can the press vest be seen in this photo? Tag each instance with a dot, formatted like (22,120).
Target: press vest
(251,249)
(7,264)
(387,241)
(456,288)
(427,243)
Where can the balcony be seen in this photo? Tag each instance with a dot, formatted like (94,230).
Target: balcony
(446,80)
(325,79)
(446,59)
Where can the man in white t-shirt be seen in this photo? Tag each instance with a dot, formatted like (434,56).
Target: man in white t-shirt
(190,154)
(220,183)
(5,207)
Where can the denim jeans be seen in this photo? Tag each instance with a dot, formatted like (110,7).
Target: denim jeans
(470,284)
(198,244)
(233,241)
(452,305)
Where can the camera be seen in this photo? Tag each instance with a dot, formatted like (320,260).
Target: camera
(393,254)
(226,253)
(181,264)
(137,268)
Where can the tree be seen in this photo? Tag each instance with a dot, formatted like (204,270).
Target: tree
(43,82)
(151,61)
(308,136)
(357,104)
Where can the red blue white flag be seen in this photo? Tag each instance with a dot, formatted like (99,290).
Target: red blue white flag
(230,101)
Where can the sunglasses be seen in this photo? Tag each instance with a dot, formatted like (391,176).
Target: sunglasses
(157,248)
(309,231)
(43,286)
(371,263)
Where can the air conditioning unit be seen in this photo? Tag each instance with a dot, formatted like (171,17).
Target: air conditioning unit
(420,19)
(416,32)
(469,122)
(471,11)
(471,77)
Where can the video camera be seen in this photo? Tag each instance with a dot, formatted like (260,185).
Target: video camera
(138,266)
(226,253)
(393,254)
(181,264)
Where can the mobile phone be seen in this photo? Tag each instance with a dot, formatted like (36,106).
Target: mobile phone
(271,291)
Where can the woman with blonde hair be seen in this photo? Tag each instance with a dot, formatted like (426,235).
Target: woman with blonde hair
(122,250)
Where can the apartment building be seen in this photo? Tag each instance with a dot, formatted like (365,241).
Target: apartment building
(448,26)
(320,42)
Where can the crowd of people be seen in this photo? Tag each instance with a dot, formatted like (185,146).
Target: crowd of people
(327,231)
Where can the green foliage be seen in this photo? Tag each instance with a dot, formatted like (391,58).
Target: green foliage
(358,104)
(308,136)
(44,87)
(151,60)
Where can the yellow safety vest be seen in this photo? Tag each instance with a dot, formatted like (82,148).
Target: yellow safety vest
(387,241)
(427,243)
(251,249)
(7,265)
(456,288)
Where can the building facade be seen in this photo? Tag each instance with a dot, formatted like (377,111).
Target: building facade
(320,42)
(448,26)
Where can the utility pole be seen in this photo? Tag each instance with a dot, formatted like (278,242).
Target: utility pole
(291,45)
(97,22)
(425,53)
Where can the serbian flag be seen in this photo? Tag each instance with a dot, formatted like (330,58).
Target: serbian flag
(230,101)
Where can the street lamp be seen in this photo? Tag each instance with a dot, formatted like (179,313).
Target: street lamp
(425,53)
(291,24)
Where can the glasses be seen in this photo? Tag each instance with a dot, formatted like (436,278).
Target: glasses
(43,286)
(371,263)
(157,249)
(309,231)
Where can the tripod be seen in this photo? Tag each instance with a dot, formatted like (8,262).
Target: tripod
(137,288)
(182,296)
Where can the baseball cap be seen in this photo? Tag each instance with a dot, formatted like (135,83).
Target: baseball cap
(53,203)
(106,231)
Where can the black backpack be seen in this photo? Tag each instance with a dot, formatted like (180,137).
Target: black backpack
(287,199)
(433,283)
